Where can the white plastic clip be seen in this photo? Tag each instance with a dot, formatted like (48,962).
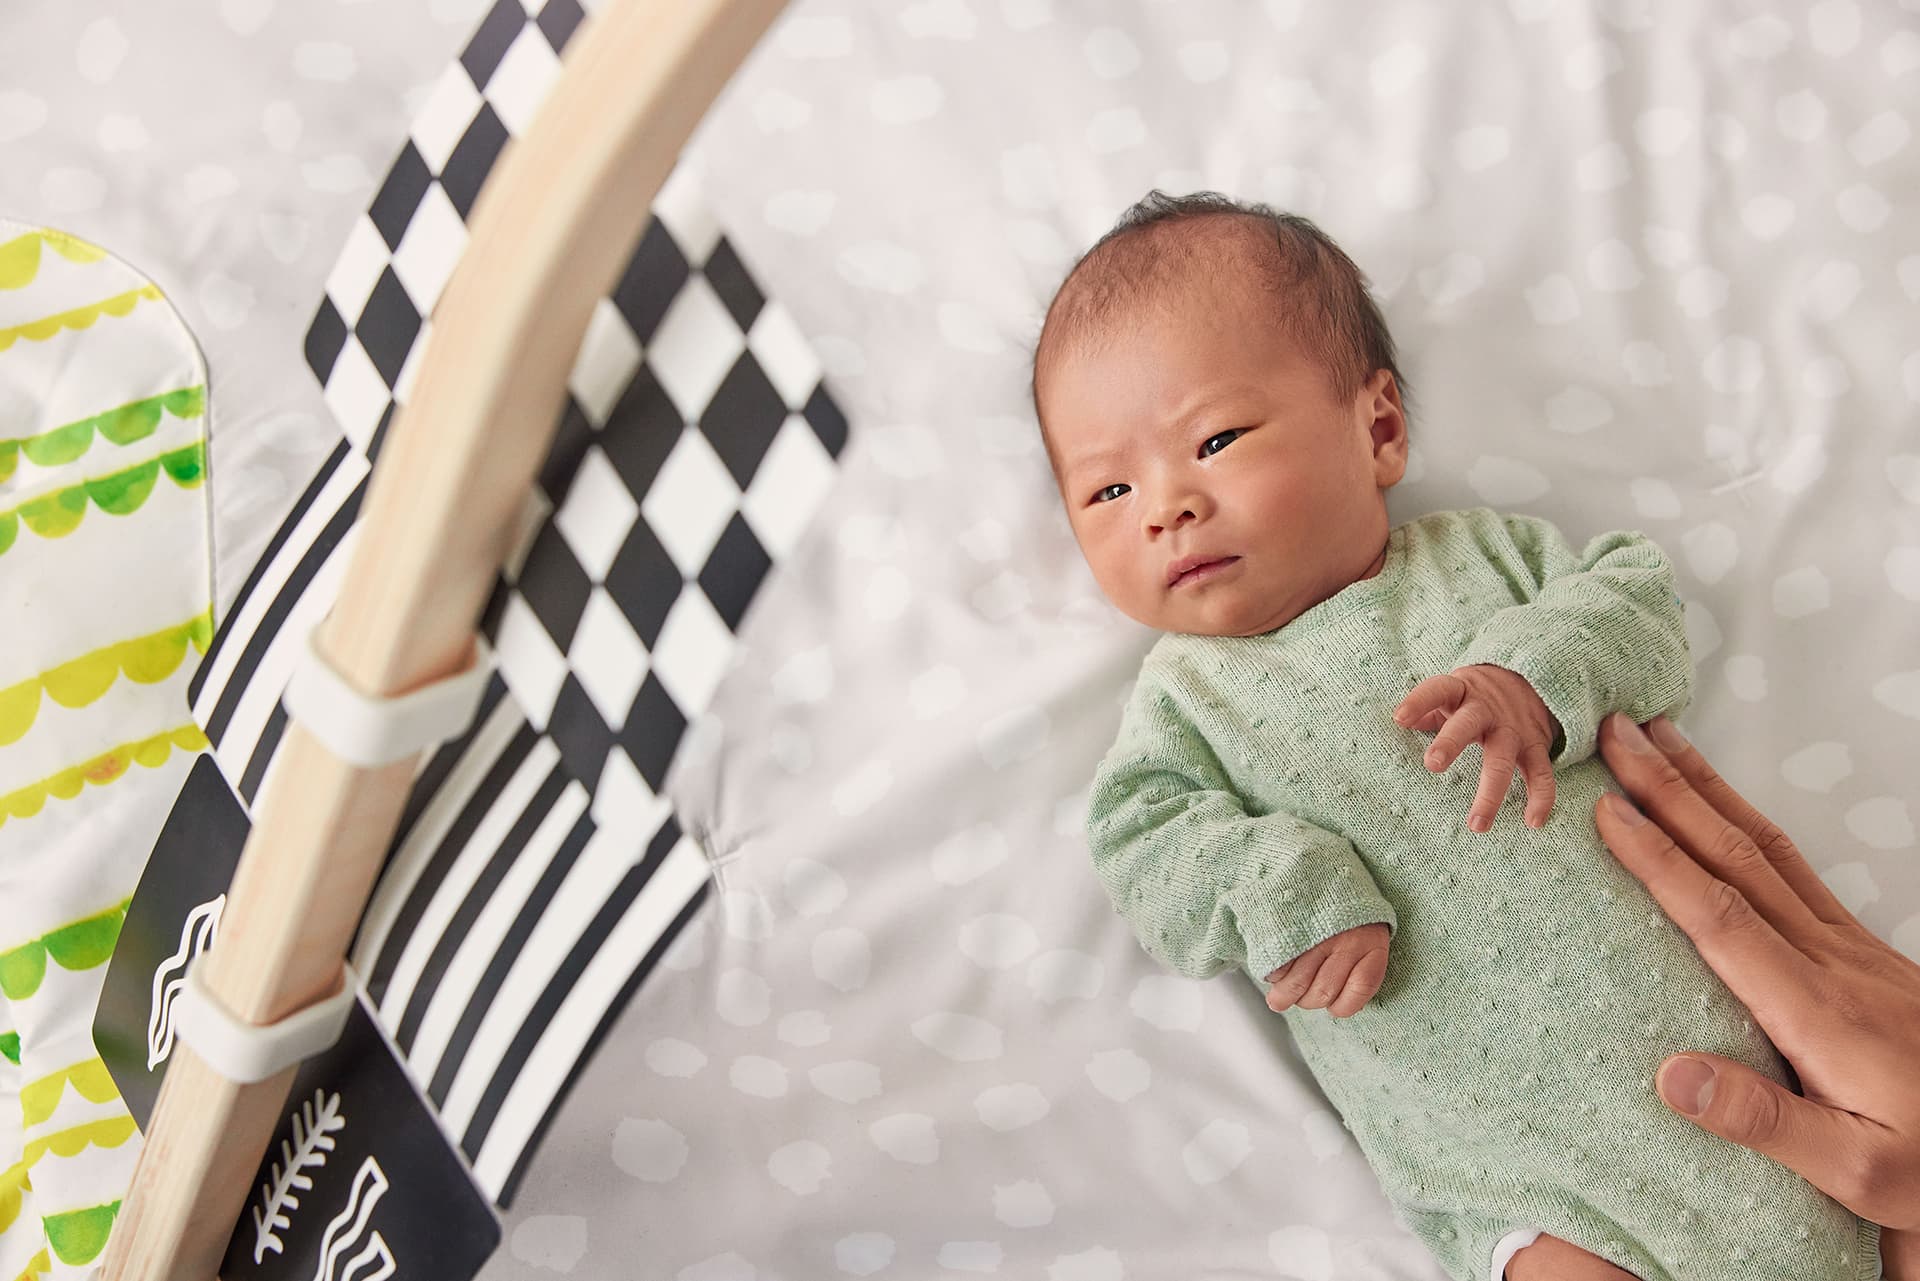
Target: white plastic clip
(368,731)
(247,1052)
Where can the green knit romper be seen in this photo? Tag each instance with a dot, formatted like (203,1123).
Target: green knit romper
(1260,798)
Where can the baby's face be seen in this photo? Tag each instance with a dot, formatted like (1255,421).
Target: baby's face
(1202,435)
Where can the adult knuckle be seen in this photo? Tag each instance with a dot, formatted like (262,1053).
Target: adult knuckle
(1773,844)
(1752,1117)
(1669,785)
(1727,908)
(1732,851)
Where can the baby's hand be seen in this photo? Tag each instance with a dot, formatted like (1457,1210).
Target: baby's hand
(1349,966)
(1499,710)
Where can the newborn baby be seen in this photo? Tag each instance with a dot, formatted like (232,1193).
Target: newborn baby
(1221,407)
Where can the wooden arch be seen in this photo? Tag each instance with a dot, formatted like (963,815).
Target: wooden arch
(559,216)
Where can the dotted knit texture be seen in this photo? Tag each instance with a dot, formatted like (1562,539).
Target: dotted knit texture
(1260,798)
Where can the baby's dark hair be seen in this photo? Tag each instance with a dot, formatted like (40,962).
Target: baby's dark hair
(1317,295)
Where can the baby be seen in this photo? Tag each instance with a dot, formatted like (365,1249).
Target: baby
(1222,410)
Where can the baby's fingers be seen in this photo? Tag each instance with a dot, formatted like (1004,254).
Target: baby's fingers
(1496,775)
(1537,768)
(1365,980)
(1464,727)
(1300,972)
(1329,982)
(1437,694)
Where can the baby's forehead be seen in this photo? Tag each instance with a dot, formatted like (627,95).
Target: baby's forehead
(1160,266)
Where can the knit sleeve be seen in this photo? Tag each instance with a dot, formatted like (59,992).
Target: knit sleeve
(1597,631)
(1204,884)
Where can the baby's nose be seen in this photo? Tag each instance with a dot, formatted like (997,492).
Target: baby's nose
(1171,516)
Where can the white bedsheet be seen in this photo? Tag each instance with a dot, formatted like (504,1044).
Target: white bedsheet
(1643,274)
(1646,275)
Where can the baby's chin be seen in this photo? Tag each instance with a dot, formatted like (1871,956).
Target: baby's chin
(1215,617)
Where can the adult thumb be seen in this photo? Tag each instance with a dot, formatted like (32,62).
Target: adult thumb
(1735,1102)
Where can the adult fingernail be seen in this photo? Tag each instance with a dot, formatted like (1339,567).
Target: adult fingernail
(1625,810)
(1630,735)
(1667,734)
(1689,1085)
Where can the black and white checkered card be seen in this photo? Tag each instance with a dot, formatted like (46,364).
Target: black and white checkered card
(538,874)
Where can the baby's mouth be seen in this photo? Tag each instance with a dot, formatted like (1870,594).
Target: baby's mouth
(1194,569)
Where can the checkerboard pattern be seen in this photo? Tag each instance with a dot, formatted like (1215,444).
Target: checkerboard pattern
(696,442)
(694,447)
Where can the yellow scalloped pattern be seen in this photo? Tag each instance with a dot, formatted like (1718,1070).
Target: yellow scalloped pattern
(40,1264)
(144,659)
(20,257)
(110,1133)
(108,767)
(89,1078)
(13,1187)
(79,318)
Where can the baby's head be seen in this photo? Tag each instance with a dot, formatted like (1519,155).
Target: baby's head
(1213,380)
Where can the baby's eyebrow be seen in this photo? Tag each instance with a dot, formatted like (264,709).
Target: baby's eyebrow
(1087,462)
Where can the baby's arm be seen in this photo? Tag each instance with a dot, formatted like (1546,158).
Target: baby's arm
(1204,884)
(1593,632)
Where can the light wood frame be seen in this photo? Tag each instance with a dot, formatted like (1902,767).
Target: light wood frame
(558,218)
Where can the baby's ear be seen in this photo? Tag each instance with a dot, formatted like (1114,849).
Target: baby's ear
(1380,401)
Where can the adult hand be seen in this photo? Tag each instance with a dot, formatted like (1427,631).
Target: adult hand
(1842,1006)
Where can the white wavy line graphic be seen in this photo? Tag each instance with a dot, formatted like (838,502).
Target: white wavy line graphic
(356,1213)
(170,976)
(376,1254)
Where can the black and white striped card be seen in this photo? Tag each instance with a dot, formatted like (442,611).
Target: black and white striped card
(538,873)
(359,1181)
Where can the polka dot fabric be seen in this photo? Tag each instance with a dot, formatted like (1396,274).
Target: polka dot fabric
(1647,268)
(1644,273)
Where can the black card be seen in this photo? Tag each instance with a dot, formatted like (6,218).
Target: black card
(360,1181)
(169,922)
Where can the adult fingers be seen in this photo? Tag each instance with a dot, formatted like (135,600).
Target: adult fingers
(1440,693)
(1773,843)
(1828,1147)
(1365,980)
(1537,767)
(1763,969)
(1722,848)
(1497,757)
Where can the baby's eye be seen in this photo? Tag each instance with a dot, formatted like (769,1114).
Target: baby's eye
(1101,496)
(1229,434)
